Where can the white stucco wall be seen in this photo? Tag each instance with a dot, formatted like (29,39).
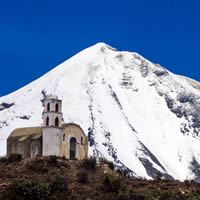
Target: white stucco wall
(51,141)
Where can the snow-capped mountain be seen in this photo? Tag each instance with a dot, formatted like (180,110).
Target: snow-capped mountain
(136,113)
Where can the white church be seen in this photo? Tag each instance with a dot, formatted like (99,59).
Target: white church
(53,138)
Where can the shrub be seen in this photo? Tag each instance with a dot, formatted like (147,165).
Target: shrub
(35,164)
(109,163)
(137,196)
(158,176)
(3,159)
(90,163)
(125,172)
(14,157)
(119,171)
(112,183)
(169,195)
(53,172)
(27,189)
(53,160)
(63,158)
(187,183)
(9,195)
(82,176)
(124,195)
(195,195)
(35,190)
(132,195)
(59,184)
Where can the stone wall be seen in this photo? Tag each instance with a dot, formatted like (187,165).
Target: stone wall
(27,146)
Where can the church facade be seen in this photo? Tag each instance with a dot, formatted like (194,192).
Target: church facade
(53,138)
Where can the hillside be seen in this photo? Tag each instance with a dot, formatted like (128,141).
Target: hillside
(57,178)
(136,114)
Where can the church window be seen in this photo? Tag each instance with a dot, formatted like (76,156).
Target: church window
(56,121)
(48,107)
(81,140)
(64,137)
(57,107)
(47,121)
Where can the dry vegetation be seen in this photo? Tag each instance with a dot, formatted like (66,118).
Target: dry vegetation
(57,178)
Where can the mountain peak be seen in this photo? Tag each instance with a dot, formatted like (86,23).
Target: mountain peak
(97,48)
(102,45)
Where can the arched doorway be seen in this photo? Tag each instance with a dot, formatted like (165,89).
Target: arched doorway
(72,148)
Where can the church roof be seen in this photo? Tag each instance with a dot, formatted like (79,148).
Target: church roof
(73,124)
(52,97)
(26,131)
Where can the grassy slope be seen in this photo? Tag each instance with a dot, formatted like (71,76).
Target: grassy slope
(52,178)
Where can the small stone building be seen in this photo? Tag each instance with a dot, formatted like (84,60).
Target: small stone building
(53,138)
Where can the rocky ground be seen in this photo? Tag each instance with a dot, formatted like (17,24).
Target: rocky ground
(57,178)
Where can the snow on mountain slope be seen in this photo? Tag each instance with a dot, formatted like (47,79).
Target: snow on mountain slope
(136,113)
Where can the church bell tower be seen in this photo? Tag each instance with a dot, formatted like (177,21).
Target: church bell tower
(52,126)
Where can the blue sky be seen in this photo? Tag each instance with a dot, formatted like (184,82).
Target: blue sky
(35,36)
